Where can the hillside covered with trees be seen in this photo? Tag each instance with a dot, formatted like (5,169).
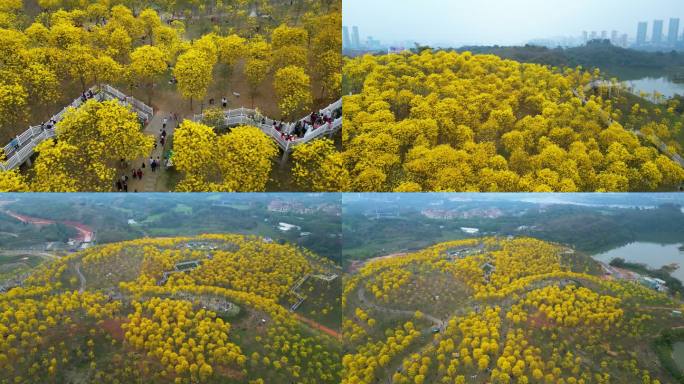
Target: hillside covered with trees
(447,121)
(209,309)
(495,310)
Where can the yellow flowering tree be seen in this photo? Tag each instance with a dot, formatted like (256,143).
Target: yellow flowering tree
(147,64)
(293,89)
(245,159)
(318,166)
(92,139)
(193,72)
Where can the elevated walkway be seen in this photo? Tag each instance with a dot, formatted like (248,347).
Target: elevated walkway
(251,117)
(21,148)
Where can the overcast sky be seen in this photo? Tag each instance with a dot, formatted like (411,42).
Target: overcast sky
(503,22)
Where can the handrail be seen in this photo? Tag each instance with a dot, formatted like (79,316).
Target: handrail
(19,149)
(242,116)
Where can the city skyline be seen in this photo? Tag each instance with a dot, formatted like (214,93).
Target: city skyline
(509,22)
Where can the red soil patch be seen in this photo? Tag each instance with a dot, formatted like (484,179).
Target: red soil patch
(318,326)
(29,219)
(113,327)
(85,233)
(539,320)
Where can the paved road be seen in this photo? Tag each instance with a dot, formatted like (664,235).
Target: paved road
(150,180)
(16,252)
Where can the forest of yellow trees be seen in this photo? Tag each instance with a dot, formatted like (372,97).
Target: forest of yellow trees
(167,53)
(532,313)
(106,315)
(447,121)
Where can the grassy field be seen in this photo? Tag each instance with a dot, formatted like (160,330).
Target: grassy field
(17,265)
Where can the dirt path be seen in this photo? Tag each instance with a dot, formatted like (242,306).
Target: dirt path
(82,278)
(319,326)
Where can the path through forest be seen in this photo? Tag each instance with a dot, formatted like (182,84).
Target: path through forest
(150,180)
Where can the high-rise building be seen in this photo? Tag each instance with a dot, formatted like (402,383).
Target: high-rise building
(623,40)
(585,36)
(346,42)
(657,32)
(356,40)
(593,35)
(614,37)
(641,33)
(673,31)
(604,35)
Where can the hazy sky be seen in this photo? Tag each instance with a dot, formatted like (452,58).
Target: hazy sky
(503,22)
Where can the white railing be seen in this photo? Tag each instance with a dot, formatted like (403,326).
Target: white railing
(144,110)
(246,116)
(22,146)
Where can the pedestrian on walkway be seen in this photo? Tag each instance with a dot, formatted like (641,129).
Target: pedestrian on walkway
(135,173)
(140,173)
(224,102)
(164,121)
(153,166)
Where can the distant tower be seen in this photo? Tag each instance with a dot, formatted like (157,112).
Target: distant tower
(604,35)
(356,40)
(673,31)
(585,36)
(641,33)
(593,35)
(623,40)
(346,42)
(657,32)
(614,37)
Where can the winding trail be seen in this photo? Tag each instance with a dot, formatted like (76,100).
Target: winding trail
(504,303)
(82,278)
(362,297)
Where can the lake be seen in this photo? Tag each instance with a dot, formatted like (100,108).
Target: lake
(678,354)
(652,254)
(665,86)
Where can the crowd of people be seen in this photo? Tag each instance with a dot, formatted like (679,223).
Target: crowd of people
(303,127)
(87,95)
(152,163)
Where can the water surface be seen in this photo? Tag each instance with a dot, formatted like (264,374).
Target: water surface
(663,85)
(652,254)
